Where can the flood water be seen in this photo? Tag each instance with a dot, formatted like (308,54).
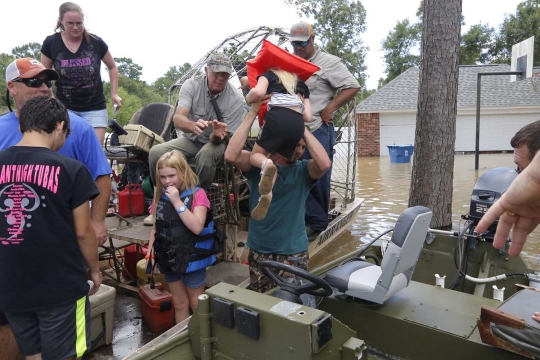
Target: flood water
(385,189)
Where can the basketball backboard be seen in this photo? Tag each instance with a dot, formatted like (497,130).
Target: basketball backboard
(522,59)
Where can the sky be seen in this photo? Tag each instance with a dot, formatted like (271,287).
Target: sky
(157,34)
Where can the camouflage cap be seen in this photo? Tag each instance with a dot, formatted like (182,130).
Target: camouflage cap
(219,62)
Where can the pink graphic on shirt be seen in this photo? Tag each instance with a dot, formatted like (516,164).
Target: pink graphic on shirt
(18,198)
(16,201)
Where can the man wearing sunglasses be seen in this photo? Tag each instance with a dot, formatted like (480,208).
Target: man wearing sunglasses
(330,88)
(27,78)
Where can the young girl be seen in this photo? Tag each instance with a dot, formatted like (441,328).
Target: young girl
(183,233)
(283,128)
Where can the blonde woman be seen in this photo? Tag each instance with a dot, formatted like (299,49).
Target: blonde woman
(183,232)
(76,55)
(289,108)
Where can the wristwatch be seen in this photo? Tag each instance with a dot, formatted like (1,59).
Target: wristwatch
(181,209)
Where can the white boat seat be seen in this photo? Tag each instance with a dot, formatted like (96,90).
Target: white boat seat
(374,283)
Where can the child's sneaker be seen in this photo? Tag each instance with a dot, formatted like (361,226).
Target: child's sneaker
(267,178)
(259,213)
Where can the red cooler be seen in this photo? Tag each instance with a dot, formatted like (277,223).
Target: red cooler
(156,307)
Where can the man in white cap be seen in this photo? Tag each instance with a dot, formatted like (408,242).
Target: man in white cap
(27,78)
(333,78)
(196,116)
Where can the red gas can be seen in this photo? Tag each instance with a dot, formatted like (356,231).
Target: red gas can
(132,255)
(156,307)
(137,201)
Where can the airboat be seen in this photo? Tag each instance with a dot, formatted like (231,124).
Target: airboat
(229,192)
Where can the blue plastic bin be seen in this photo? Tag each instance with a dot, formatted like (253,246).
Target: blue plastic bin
(400,153)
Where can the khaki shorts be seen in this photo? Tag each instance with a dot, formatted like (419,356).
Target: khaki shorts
(258,280)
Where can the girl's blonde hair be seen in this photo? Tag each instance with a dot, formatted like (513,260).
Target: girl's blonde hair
(176,160)
(67,7)
(287,79)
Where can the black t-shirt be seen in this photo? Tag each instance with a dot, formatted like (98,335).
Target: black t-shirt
(275,86)
(79,87)
(41,264)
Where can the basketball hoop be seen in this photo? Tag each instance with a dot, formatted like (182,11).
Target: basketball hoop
(535,81)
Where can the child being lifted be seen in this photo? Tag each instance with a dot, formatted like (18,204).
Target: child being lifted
(283,127)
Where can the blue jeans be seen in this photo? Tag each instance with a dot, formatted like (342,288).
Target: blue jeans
(96,118)
(318,200)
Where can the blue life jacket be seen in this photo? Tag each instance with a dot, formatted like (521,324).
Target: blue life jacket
(178,249)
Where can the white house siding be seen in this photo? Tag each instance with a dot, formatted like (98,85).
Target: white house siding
(496,130)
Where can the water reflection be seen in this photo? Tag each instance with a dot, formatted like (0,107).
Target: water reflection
(385,188)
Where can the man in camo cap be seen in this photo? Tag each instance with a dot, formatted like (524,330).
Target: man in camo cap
(204,132)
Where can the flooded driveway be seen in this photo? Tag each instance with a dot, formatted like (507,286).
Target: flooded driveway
(385,188)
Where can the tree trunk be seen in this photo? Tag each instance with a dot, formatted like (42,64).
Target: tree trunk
(433,168)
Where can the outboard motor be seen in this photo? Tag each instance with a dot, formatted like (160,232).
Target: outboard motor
(488,189)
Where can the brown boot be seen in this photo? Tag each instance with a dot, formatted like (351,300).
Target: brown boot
(267,178)
(259,213)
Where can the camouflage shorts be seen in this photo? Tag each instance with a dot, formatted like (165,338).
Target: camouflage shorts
(258,280)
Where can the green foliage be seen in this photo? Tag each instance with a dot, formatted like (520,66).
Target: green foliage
(5,60)
(30,50)
(133,88)
(516,28)
(364,94)
(475,44)
(397,47)
(339,25)
(130,104)
(128,68)
(164,83)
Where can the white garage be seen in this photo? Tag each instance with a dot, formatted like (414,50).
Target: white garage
(388,116)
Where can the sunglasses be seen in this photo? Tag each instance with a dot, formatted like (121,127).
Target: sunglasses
(34,82)
(296,44)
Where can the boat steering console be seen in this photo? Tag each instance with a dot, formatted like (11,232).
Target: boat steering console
(291,288)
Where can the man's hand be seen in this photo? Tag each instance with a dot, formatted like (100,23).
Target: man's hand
(220,129)
(518,210)
(255,106)
(101,231)
(199,126)
(96,278)
(327,116)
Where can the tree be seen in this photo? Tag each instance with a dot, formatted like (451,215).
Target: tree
(164,83)
(138,93)
(397,49)
(432,172)
(128,68)
(475,44)
(516,28)
(339,25)
(130,105)
(30,50)
(5,60)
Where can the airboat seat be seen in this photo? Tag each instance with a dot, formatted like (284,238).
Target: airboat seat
(511,326)
(374,283)
(156,117)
